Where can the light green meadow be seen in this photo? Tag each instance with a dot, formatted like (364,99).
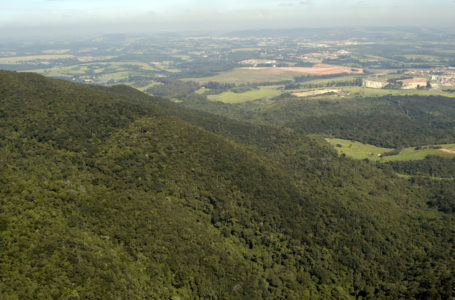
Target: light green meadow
(263,92)
(359,150)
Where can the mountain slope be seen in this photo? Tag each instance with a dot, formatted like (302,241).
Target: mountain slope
(388,121)
(107,192)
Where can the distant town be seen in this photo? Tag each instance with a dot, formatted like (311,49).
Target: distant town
(296,62)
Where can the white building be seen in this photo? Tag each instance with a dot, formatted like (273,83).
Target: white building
(414,83)
(374,84)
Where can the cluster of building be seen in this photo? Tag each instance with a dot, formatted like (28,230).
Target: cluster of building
(439,78)
(318,57)
(434,79)
(375,84)
(413,83)
(438,81)
(406,84)
(259,62)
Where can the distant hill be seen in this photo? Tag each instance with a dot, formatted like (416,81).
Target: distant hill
(110,193)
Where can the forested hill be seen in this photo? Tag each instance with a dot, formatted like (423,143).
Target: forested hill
(109,193)
(388,121)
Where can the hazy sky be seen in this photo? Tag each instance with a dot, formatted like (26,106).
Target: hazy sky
(156,15)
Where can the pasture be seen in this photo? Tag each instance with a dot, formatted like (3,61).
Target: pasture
(262,92)
(269,74)
(244,75)
(369,92)
(359,150)
(22,59)
(149,84)
(316,92)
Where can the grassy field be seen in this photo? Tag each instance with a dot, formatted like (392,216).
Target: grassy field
(359,150)
(317,92)
(165,65)
(269,74)
(369,92)
(104,71)
(116,76)
(406,176)
(262,92)
(428,58)
(129,64)
(68,72)
(244,75)
(21,59)
(355,91)
(329,80)
(102,75)
(147,86)
(413,154)
(201,90)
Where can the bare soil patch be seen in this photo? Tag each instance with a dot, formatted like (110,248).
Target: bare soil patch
(320,69)
(316,93)
(448,151)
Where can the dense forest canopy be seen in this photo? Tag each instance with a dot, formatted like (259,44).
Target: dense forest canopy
(111,193)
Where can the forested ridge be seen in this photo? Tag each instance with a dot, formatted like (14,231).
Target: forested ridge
(110,193)
(387,121)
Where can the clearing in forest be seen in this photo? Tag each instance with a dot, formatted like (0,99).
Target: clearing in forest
(359,150)
(262,92)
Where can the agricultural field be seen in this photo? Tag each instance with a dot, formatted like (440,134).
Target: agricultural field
(317,92)
(103,66)
(148,85)
(362,92)
(201,91)
(262,92)
(165,66)
(96,73)
(131,64)
(244,75)
(110,72)
(114,76)
(319,69)
(22,59)
(63,72)
(305,66)
(359,150)
(270,74)
(328,81)
(369,92)
(420,57)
